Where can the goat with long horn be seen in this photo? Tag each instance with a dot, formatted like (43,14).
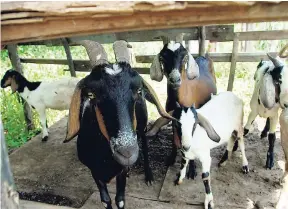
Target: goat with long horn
(108,113)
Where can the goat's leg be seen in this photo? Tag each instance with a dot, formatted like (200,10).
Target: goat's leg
(245,168)
(253,114)
(271,139)
(192,167)
(266,129)
(147,169)
(228,153)
(183,168)
(43,120)
(206,164)
(120,186)
(104,194)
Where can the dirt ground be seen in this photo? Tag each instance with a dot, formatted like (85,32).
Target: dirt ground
(50,172)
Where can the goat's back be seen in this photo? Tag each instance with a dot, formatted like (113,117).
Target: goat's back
(225,113)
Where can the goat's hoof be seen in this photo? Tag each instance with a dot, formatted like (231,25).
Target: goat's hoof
(44,139)
(246,131)
(245,169)
(178,182)
(210,205)
(149,178)
(263,134)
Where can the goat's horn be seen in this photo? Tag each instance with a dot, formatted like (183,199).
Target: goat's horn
(95,51)
(152,97)
(282,52)
(121,51)
(275,61)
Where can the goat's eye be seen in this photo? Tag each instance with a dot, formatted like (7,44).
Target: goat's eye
(91,95)
(139,91)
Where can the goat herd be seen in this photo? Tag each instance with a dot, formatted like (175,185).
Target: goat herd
(107,111)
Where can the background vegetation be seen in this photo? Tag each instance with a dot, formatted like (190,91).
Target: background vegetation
(12,111)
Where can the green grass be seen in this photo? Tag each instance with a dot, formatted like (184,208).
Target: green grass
(12,111)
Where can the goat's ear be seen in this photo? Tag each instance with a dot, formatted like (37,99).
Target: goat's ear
(267,91)
(192,68)
(73,125)
(204,123)
(14,85)
(151,96)
(156,71)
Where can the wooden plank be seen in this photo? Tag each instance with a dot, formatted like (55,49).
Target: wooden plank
(140,70)
(149,35)
(217,57)
(144,16)
(69,57)
(16,63)
(233,62)
(251,36)
(9,194)
(202,38)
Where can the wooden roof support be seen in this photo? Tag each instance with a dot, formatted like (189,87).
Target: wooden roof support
(68,19)
(69,57)
(233,62)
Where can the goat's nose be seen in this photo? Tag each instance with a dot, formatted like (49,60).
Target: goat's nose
(175,80)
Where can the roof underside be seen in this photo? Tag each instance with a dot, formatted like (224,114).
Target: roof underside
(32,21)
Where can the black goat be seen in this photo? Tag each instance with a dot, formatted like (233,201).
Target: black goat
(108,112)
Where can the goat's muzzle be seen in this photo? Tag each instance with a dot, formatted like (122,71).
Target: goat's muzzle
(125,151)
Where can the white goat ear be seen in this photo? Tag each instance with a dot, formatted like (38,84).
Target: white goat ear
(204,123)
(156,70)
(73,125)
(192,68)
(267,91)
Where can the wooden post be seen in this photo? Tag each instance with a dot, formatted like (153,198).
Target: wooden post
(15,60)
(69,57)
(202,38)
(233,62)
(9,195)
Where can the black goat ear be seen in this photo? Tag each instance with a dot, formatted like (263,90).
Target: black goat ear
(73,125)
(204,123)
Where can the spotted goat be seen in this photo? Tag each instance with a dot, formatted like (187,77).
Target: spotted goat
(204,129)
(270,93)
(41,95)
(189,82)
(109,114)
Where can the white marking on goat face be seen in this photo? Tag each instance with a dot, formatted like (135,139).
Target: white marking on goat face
(187,121)
(121,204)
(173,47)
(113,71)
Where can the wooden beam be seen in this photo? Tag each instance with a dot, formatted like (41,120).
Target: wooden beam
(140,70)
(9,194)
(132,16)
(217,57)
(69,57)
(149,35)
(233,62)
(201,39)
(15,61)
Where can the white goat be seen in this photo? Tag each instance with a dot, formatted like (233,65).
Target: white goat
(271,86)
(42,95)
(219,121)
(283,200)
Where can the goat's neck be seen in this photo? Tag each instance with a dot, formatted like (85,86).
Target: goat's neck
(25,93)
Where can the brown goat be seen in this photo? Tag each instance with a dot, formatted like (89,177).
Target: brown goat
(190,82)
